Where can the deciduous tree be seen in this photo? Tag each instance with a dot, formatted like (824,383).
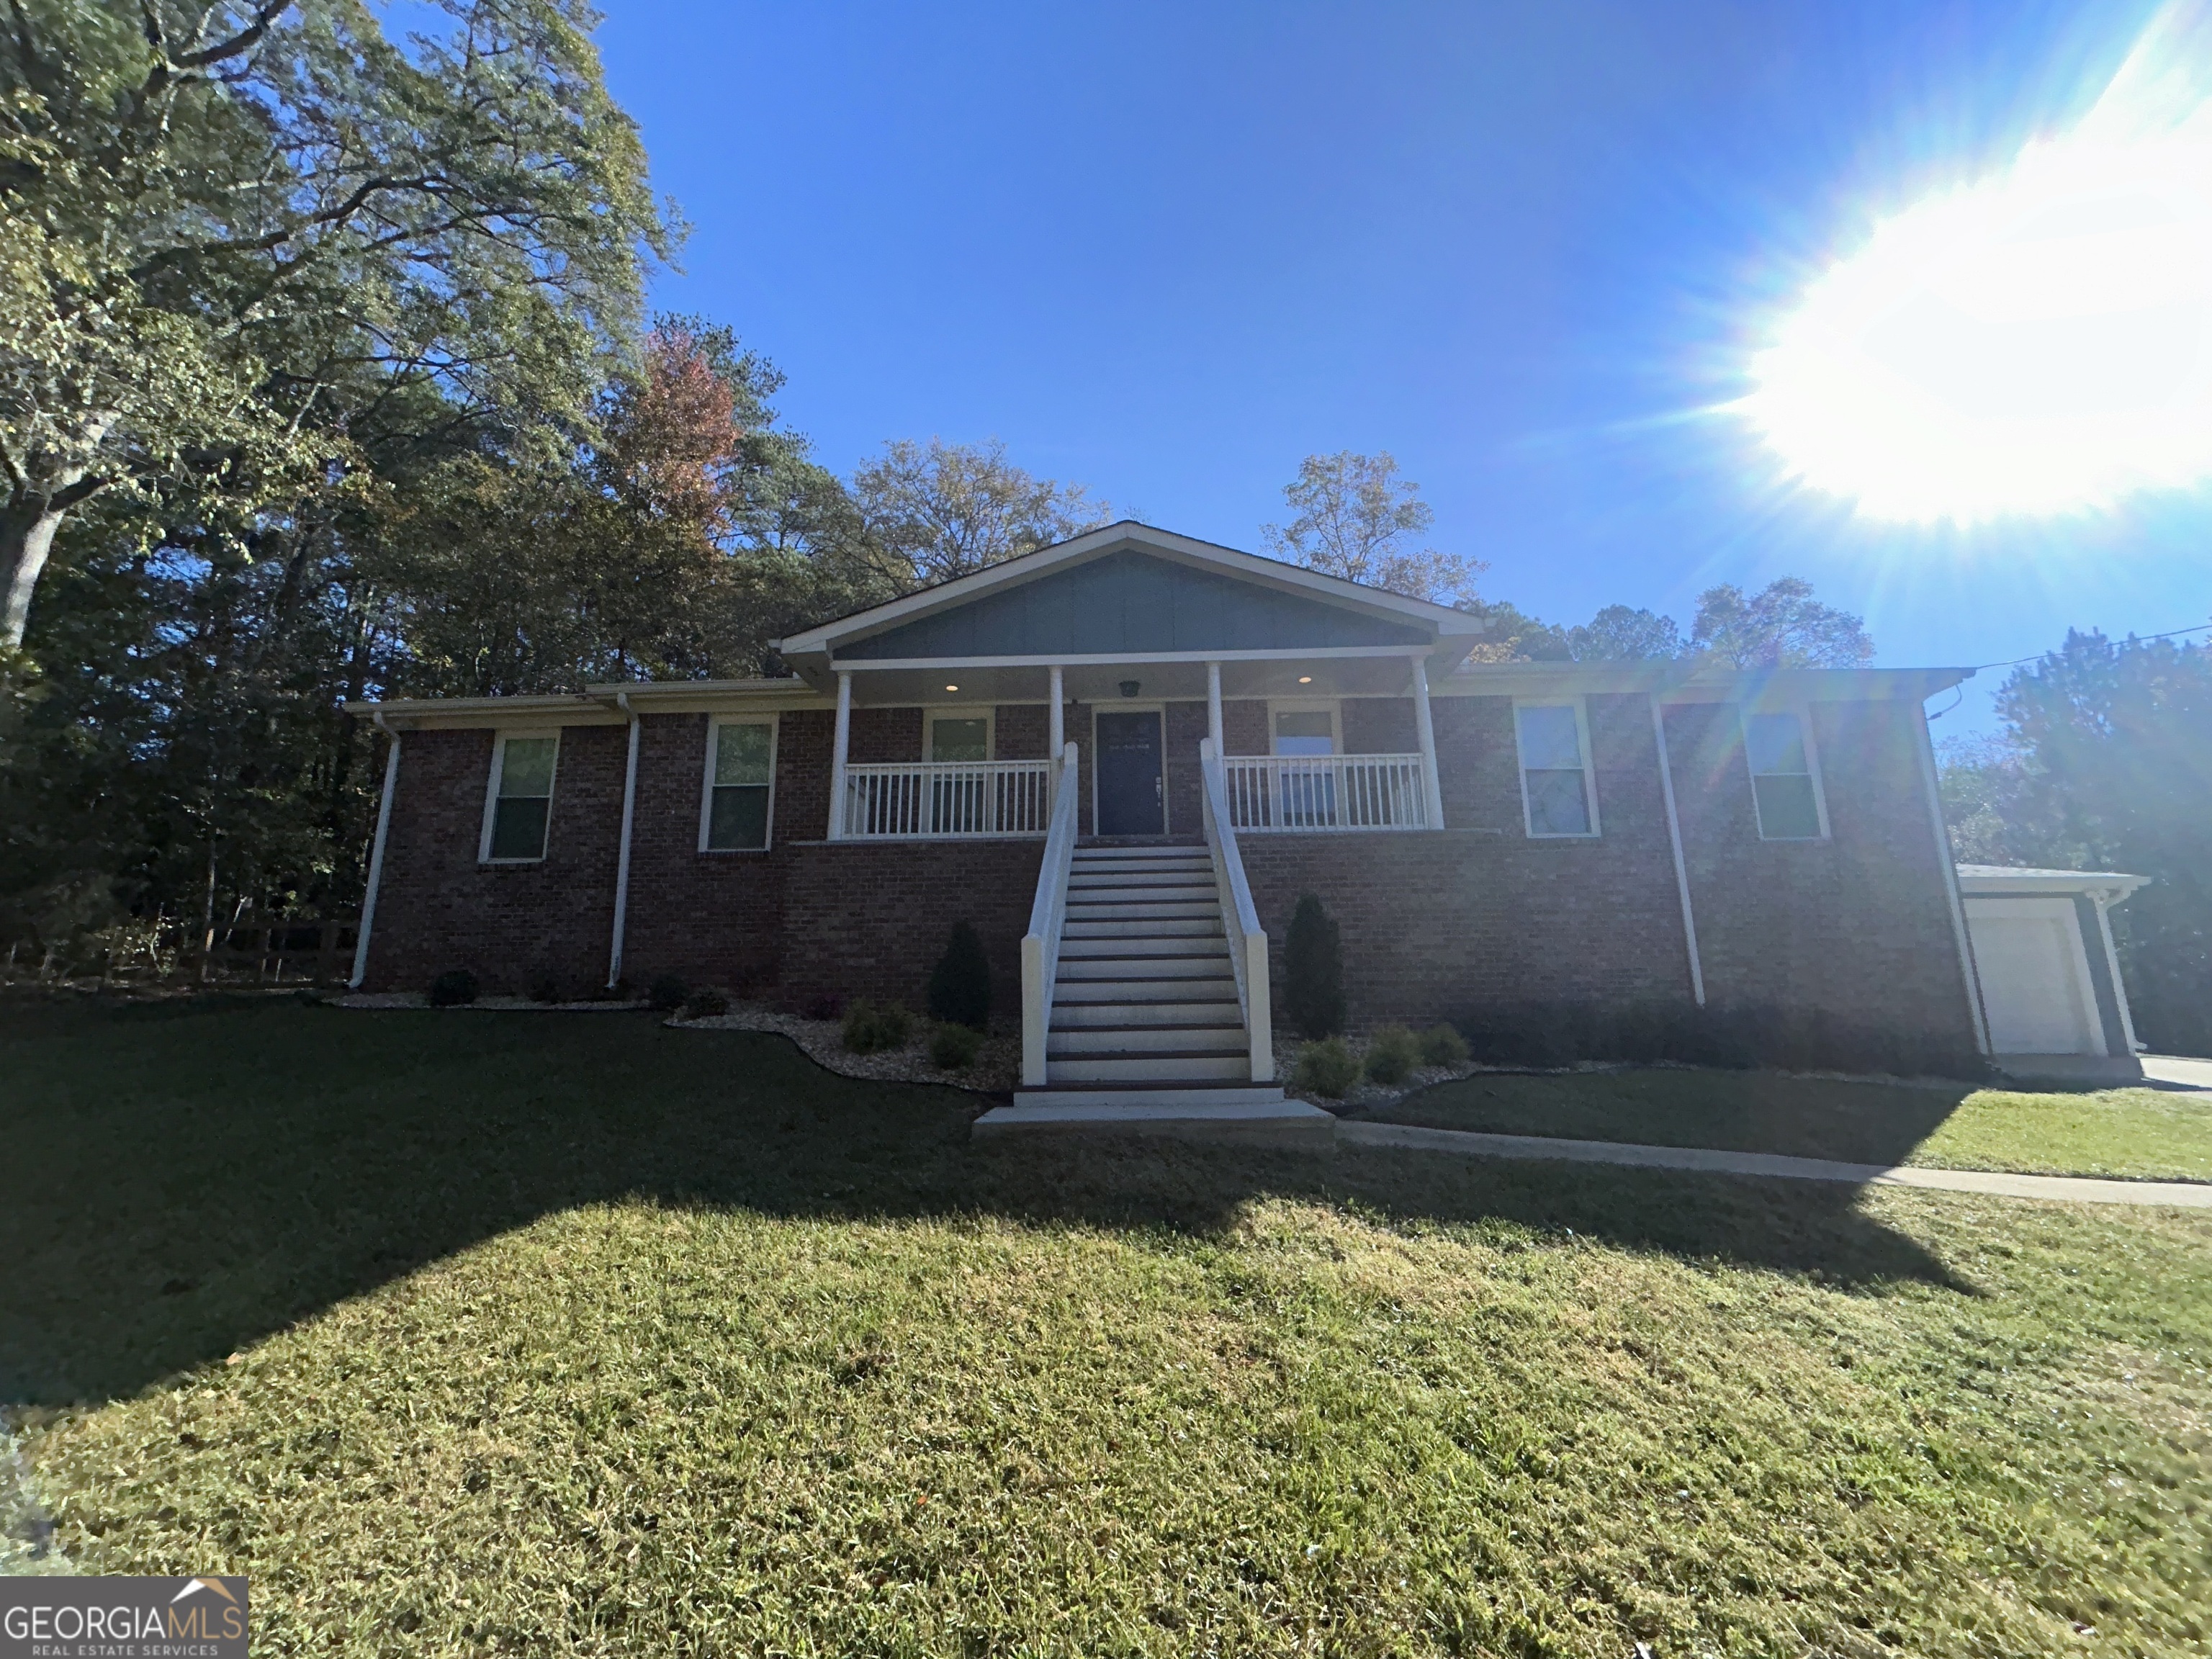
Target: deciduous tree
(1359,519)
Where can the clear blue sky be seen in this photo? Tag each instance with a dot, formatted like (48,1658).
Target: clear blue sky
(1165,250)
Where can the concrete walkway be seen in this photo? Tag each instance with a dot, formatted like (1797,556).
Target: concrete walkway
(2177,1072)
(2072,1189)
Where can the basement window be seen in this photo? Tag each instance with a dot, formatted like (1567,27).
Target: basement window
(1784,789)
(735,815)
(519,808)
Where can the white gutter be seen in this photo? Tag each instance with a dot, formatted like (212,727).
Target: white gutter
(1674,840)
(1949,864)
(622,858)
(375,855)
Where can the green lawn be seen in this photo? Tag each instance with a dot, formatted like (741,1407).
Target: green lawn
(468,1333)
(2111,1132)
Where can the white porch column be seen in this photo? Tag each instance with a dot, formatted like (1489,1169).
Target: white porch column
(837,756)
(1425,723)
(1213,704)
(1058,713)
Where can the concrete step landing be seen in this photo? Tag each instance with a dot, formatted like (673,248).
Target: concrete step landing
(1246,1113)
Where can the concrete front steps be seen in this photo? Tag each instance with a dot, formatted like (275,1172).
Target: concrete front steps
(1147,1035)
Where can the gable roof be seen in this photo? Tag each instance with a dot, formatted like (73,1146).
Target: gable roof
(1130,587)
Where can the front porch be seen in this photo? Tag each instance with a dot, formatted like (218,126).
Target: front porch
(1306,746)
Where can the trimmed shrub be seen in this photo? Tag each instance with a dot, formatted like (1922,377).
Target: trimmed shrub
(705,1004)
(1391,1055)
(1442,1046)
(960,984)
(870,1027)
(1328,1068)
(453,989)
(954,1048)
(667,995)
(1313,970)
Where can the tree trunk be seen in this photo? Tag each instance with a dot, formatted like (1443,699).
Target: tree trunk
(27,536)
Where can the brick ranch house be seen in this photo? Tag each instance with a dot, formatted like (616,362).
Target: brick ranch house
(1123,758)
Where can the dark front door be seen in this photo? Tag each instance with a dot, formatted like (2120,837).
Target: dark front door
(1130,800)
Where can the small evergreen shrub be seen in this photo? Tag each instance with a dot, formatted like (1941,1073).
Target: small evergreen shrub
(954,1048)
(1391,1055)
(871,1027)
(960,984)
(667,995)
(1329,1067)
(1313,969)
(705,1004)
(1442,1046)
(454,988)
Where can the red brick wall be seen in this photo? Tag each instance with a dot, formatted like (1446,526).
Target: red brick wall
(512,926)
(1435,926)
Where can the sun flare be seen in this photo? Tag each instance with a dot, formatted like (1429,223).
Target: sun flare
(2034,343)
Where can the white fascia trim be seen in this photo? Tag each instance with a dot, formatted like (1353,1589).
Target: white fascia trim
(1124,658)
(1096,544)
(1672,683)
(1987,880)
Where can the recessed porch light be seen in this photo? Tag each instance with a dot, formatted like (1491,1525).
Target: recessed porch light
(951,688)
(1305,679)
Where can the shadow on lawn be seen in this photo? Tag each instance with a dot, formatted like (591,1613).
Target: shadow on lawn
(184,1179)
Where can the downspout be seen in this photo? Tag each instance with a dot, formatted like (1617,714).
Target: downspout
(2103,899)
(1674,840)
(1948,862)
(376,854)
(622,858)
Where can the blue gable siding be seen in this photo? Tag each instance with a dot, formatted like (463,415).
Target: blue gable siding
(1130,603)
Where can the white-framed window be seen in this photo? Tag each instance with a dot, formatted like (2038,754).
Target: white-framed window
(519,800)
(1303,728)
(737,811)
(1557,796)
(960,734)
(1785,776)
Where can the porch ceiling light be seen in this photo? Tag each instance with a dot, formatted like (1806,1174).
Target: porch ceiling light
(1305,679)
(951,688)
(1130,688)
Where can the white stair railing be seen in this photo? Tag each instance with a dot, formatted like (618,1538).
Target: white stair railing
(1248,944)
(1268,793)
(1041,945)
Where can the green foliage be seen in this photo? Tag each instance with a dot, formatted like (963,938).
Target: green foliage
(931,512)
(1313,963)
(454,988)
(960,984)
(1442,1046)
(872,1027)
(666,994)
(954,1048)
(1392,1055)
(1781,626)
(1357,519)
(1329,1068)
(2113,741)
(879,1320)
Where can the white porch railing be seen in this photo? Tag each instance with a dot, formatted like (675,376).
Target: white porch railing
(1248,944)
(1267,793)
(1041,945)
(946,798)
